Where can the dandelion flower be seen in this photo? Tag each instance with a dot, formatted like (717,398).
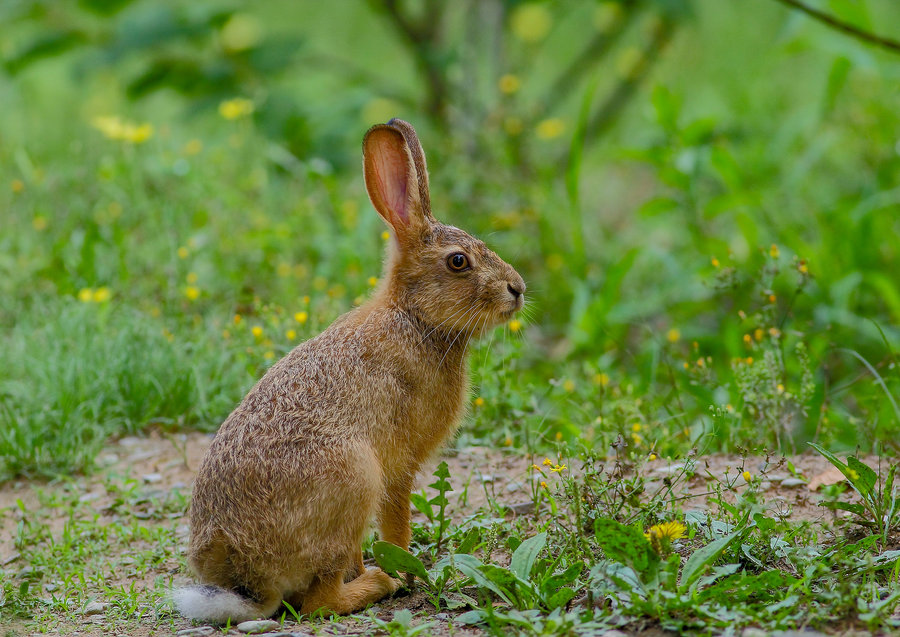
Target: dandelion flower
(269,355)
(85,295)
(715,262)
(191,277)
(291,334)
(673,335)
(237,319)
(531,22)
(257,331)
(183,252)
(301,317)
(569,385)
(651,457)
(509,84)
(515,325)
(550,128)
(507,442)
(192,292)
(669,531)
(235,108)
(101,295)
(479,402)
(601,379)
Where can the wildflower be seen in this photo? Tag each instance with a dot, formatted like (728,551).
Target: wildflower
(101,295)
(773,251)
(114,128)
(601,379)
(479,402)
(192,293)
(301,317)
(687,365)
(257,331)
(85,295)
(237,319)
(373,281)
(513,126)
(673,335)
(558,468)
(547,462)
(509,84)
(269,355)
(193,147)
(558,436)
(39,223)
(715,262)
(772,298)
(305,300)
(802,268)
(191,277)
(531,22)
(636,427)
(700,362)
(569,385)
(636,438)
(515,325)
(507,442)
(235,108)
(651,457)
(385,235)
(543,484)
(774,332)
(169,336)
(183,252)
(779,388)
(550,128)
(749,360)
(291,334)
(673,530)
(17,185)
(758,334)
(747,476)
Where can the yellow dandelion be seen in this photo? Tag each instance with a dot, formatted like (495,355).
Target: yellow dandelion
(235,108)
(191,277)
(672,530)
(39,223)
(479,402)
(515,325)
(269,355)
(758,334)
(257,331)
(749,360)
(101,295)
(636,426)
(183,252)
(509,84)
(673,335)
(305,300)
(701,362)
(550,128)
(601,379)
(651,457)
(192,292)
(779,388)
(17,185)
(301,317)
(687,365)
(637,438)
(372,281)
(85,295)
(715,262)
(291,334)
(558,436)
(569,385)
(747,476)
(748,340)
(531,22)
(773,251)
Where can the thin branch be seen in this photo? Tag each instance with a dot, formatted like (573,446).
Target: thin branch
(846,27)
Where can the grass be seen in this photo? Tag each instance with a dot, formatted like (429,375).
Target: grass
(717,276)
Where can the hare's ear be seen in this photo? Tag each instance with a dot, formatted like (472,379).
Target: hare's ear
(396,177)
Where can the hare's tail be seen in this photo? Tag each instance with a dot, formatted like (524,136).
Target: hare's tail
(218,606)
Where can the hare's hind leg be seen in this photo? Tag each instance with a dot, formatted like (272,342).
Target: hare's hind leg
(330,594)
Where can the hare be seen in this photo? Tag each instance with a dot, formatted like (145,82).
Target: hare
(333,434)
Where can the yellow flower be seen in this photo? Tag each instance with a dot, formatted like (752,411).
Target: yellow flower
(385,235)
(637,438)
(651,457)
(192,293)
(773,251)
(183,252)
(257,331)
(269,355)
(235,108)
(114,128)
(305,300)
(700,362)
(749,360)
(301,317)
(758,334)
(601,379)
(550,128)
(17,185)
(85,295)
(687,365)
(747,476)
(774,332)
(531,22)
(569,386)
(507,442)
(509,84)
(715,262)
(191,277)
(748,340)
(479,402)
(373,281)
(667,531)
(513,125)
(802,268)
(291,334)
(636,427)
(237,319)
(193,147)
(39,223)
(772,298)
(101,294)
(547,462)
(169,336)
(779,388)
(515,325)
(673,335)
(558,468)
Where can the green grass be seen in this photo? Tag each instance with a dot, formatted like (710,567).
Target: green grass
(716,274)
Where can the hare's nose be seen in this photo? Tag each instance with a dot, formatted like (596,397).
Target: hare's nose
(517,289)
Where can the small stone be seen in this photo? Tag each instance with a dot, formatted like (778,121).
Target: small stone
(441,617)
(151,478)
(521,508)
(613,633)
(765,485)
(514,486)
(487,479)
(793,482)
(94,608)
(750,631)
(672,468)
(200,631)
(257,627)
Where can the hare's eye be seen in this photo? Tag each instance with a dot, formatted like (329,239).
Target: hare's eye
(457,262)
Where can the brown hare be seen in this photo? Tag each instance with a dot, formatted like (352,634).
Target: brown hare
(334,433)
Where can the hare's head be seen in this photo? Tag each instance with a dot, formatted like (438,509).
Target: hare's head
(447,278)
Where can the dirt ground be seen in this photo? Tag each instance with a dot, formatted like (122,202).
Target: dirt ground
(480,476)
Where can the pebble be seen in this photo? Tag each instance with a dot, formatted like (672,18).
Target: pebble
(613,633)
(521,508)
(200,631)
(150,478)
(750,631)
(672,468)
(793,482)
(514,486)
(487,479)
(257,627)
(94,608)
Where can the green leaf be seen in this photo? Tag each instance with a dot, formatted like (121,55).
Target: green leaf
(701,558)
(833,459)
(422,505)
(626,545)
(470,541)
(523,558)
(392,559)
(471,567)
(866,479)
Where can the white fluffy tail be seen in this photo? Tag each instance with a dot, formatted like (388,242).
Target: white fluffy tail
(216,605)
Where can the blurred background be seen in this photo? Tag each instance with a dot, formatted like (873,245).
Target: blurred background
(702,197)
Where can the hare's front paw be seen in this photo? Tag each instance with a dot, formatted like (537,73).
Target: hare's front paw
(389,584)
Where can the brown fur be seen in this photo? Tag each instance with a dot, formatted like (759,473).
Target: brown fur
(334,433)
